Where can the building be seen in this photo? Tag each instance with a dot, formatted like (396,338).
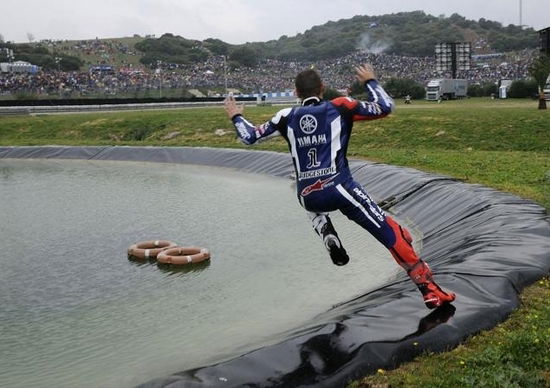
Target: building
(18,67)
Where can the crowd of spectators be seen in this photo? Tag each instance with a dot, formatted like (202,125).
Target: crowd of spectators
(82,84)
(268,76)
(94,47)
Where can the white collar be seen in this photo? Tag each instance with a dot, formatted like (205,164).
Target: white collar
(310,98)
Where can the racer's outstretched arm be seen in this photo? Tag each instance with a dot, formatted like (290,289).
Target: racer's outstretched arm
(378,103)
(247,132)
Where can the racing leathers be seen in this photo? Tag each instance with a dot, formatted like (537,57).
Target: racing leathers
(318,133)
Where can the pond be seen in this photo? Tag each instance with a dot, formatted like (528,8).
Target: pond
(76,312)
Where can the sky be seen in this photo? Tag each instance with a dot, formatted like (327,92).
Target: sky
(233,21)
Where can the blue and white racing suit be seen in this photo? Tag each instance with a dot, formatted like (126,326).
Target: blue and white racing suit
(318,133)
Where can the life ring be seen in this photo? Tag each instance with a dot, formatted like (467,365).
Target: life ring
(183,255)
(149,249)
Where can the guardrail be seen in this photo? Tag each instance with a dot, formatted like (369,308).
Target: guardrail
(29,110)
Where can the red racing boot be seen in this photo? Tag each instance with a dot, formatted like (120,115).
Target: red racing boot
(419,272)
(433,295)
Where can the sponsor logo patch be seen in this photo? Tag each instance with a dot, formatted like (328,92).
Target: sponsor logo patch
(313,140)
(317,186)
(308,124)
(316,173)
(378,213)
(241,128)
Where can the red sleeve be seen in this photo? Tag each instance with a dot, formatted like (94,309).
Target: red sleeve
(355,109)
(345,102)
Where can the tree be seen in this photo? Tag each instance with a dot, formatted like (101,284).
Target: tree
(522,89)
(217,47)
(30,37)
(484,89)
(357,88)
(397,88)
(244,55)
(540,70)
(1,38)
(70,63)
(331,94)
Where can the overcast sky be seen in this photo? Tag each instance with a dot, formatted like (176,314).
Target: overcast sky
(234,21)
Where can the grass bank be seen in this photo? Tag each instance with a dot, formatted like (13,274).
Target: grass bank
(502,144)
(514,354)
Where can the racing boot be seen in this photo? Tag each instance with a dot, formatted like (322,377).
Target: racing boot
(324,228)
(433,295)
(337,252)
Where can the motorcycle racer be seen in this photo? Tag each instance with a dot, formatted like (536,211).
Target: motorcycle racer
(318,134)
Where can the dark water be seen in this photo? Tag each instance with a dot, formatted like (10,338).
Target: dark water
(75,312)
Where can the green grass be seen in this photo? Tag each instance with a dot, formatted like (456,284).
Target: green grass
(505,145)
(514,354)
(143,93)
(501,144)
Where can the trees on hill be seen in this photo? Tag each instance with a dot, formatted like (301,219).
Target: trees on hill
(39,55)
(244,55)
(171,48)
(405,33)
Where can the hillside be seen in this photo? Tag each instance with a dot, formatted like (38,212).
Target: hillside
(406,34)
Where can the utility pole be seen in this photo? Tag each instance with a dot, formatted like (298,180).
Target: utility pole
(159,72)
(225,72)
(521,14)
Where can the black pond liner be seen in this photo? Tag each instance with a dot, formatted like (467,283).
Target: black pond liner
(482,244)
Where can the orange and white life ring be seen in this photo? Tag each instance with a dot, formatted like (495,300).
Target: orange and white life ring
(183,255)
(149,249)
